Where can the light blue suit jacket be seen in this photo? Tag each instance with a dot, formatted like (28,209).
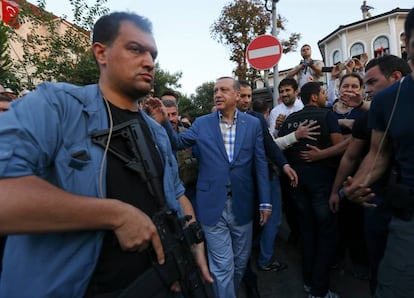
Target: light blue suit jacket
(217,175)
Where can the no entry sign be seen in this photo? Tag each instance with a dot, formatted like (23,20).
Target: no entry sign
(264,52)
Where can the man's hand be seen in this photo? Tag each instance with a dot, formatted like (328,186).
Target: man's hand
(154,107)
(334,201)
(264,216)
(336,72)
(279,120)
(198,251)
(291,173)
(311,155)
(199,254)
(136,231)
(364,58)
(306,130)
(351,98)
(359,66)
(358,193)
(349,66)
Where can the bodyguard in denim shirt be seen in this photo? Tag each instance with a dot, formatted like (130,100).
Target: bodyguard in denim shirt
(55,184)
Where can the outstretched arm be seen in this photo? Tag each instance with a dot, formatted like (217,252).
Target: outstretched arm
(314,153)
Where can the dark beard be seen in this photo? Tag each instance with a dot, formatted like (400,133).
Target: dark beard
(136,94)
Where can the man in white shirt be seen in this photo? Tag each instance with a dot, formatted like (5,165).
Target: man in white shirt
(288,91)
(308,70)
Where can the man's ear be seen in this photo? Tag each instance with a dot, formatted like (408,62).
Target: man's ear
(99,51)
(238,96)
(396,76)
(314,98)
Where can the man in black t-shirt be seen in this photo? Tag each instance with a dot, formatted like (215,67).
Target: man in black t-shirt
(379,73)
(317,224)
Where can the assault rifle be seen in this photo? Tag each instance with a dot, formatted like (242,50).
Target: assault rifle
(176,237)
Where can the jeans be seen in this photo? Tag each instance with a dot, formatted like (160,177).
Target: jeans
(318,233)
(396,270)
(271,228)
(228,247)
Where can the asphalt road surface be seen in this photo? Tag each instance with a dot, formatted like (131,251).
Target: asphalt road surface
(289,283)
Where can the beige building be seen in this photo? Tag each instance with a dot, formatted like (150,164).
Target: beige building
(377,35)
(25,30)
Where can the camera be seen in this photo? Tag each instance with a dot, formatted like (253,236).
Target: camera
(306,63)
(330,68)
(357,57)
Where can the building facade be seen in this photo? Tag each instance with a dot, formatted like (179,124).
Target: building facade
(378,35)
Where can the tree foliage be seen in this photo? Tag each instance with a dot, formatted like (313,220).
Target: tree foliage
(203,99)
(165,80)
(56,50)
(186,106)
(7,76)
(239,23)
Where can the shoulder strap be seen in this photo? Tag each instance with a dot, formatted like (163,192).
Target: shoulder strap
(387,128)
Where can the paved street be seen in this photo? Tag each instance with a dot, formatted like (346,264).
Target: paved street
(289,284)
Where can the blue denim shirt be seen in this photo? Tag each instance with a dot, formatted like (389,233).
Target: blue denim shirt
(39,136)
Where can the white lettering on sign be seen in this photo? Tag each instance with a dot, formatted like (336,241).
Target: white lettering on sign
(296,124)
(263,52)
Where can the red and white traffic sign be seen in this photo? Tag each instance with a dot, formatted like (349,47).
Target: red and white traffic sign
(264,52)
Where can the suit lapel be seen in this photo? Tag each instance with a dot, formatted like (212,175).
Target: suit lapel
(240,134)
(219,139)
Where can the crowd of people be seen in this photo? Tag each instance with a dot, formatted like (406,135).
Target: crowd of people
(78,211)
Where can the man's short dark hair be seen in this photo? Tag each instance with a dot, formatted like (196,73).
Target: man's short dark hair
(170,92)
(260,106)
(289,82)
(388,64)
(305,45)
(106,28)
(409,24)
(309,89)
(168,103)
(244,83)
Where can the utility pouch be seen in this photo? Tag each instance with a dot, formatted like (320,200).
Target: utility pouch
(399,198)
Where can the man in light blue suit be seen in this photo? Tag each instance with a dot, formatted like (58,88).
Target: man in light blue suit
(231,160)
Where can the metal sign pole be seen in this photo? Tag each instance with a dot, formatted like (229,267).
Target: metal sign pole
(275,68)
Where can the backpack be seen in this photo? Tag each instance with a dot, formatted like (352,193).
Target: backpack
(187,165)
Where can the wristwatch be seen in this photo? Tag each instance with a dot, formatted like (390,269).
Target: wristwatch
(341,193)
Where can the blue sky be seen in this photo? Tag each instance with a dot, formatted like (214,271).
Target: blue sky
(182,30)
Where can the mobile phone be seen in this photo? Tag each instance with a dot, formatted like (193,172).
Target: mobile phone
(327,68)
